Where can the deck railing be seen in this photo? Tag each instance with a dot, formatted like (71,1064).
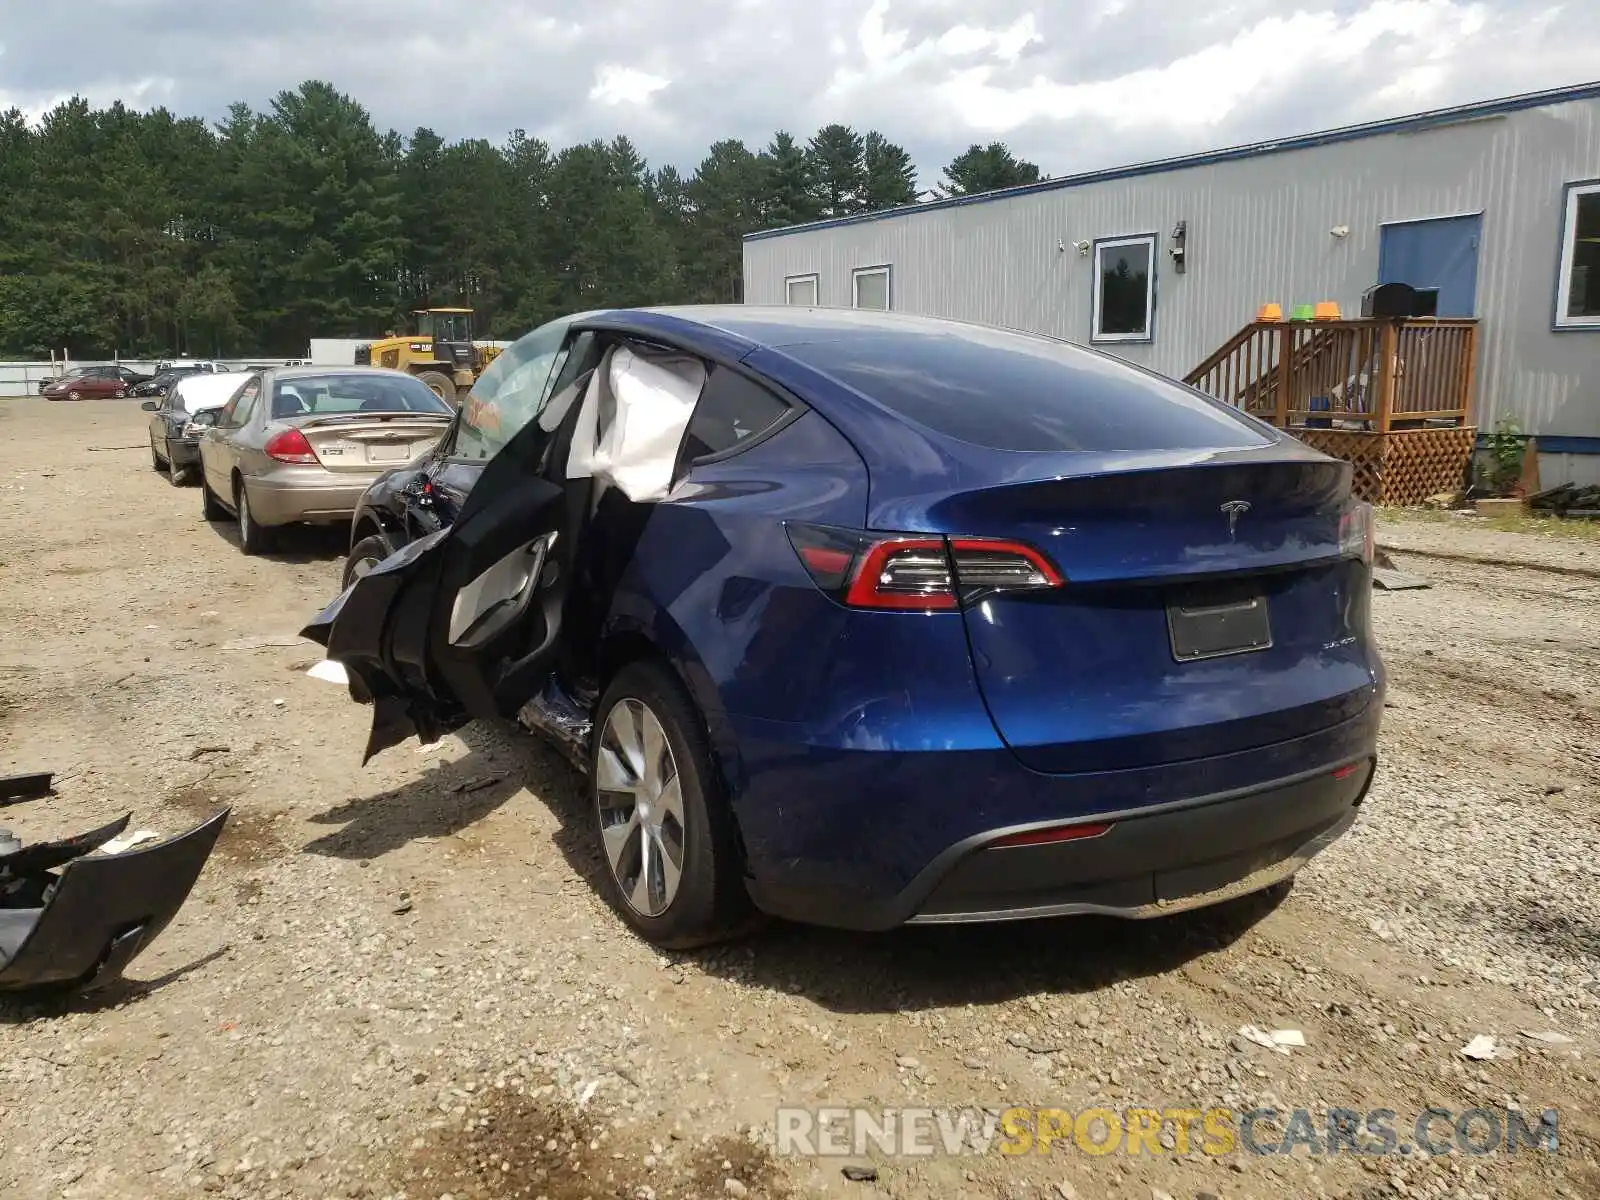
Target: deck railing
(1375,375)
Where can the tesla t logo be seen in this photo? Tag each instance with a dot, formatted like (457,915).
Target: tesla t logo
(1235,509)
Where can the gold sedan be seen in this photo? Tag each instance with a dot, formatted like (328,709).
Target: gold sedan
(301,444)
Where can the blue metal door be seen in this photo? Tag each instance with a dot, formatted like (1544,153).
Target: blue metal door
(1439,255)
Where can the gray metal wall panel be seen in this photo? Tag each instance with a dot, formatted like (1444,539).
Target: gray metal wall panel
(1258,230)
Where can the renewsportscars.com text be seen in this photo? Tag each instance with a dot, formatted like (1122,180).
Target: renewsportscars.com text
(1211,1132)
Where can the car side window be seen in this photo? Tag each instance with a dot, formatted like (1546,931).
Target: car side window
(581,353)
(249,396)
(732,409)
(230,417)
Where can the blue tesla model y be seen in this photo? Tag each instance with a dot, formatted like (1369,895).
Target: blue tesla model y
(864,619)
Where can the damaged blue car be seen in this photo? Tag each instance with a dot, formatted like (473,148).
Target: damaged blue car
(863,619)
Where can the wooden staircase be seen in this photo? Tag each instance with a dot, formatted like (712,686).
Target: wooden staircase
(1391,397)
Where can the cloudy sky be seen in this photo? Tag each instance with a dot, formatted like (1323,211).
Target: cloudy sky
(1073,84)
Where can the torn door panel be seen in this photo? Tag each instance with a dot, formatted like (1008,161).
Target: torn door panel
(73,915)
(471,621)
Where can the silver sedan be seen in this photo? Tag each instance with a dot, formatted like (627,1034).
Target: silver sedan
(301,444)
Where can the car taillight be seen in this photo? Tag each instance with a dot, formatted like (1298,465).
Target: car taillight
(290,446)
(916,572)
(1356,534)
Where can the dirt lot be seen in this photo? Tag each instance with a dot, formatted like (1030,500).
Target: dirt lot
(398,981)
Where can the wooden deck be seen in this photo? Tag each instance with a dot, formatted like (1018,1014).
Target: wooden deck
(1394,398)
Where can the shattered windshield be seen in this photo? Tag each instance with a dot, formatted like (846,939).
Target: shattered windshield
(510,393)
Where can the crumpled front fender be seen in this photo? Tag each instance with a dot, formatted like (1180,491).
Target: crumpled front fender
(354,629)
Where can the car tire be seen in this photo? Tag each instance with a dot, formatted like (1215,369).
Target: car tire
(364,555)
(155,459)
(708,902)
(440,384)
(210,507)
(119,393)
(253,538)
(74,395)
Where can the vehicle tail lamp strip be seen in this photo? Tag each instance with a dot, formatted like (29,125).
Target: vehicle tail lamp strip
(917,572)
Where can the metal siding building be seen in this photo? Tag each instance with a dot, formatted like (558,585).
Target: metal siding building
(1258,228)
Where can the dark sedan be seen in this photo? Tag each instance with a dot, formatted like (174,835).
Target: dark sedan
(174,433)
(161,382)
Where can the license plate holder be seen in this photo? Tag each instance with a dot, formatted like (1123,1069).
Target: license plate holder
(1215,623)
(388,452)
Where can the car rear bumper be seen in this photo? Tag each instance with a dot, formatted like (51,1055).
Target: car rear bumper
(306,494)
(872,840)
(1151,864)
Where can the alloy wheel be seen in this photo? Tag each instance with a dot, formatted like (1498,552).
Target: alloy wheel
(640,800)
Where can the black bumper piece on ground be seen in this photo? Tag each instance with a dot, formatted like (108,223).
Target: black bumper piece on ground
(1149,865)
(79,927)
(183,452)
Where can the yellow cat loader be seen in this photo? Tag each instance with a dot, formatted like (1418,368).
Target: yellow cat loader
(441,352)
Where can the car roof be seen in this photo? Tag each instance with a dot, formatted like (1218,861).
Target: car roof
(282,373)
(776,325)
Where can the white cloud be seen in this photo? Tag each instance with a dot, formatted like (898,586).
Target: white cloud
(1203,89)
(887,54)
(1071,86)
(625,85)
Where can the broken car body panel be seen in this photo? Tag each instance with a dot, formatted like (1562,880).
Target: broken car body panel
(71,918)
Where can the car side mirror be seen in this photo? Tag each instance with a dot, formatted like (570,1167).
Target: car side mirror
(150,405)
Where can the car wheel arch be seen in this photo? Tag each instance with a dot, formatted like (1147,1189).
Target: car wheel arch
(625,643)
(368,525)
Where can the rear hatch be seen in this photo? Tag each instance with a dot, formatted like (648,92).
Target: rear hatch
(369,442)
(1203,593)
(1203,609)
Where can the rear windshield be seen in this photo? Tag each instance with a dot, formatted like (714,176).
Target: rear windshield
(1012,391)
(307,394)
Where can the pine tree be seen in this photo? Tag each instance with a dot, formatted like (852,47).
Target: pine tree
(891,179)
(986,168)
(788,186)
(839,176)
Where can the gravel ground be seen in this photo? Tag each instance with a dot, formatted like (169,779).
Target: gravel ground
(398,980)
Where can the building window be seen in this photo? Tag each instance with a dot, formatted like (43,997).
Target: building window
(1124,289)
(1578,286)
(871,287)
(801,290)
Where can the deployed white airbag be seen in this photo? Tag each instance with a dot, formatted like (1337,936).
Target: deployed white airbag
(633,419)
